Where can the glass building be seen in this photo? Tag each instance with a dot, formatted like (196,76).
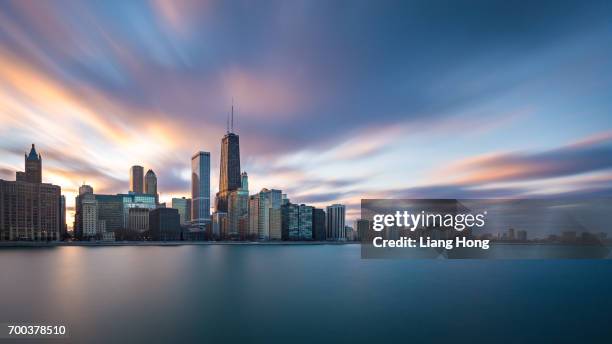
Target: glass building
(200,188)
(183,205)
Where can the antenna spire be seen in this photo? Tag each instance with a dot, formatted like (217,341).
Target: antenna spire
(232,114)
(227,124)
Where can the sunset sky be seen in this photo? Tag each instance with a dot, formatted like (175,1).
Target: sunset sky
(335,100)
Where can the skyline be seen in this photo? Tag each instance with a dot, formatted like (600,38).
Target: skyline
(329,110)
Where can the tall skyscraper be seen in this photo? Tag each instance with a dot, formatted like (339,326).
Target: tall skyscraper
(183,205)
(30,209)
(150,183)
(136,179)
(200,188)
(336,214)
(229,171)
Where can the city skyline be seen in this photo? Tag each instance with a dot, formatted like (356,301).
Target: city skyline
(328,113)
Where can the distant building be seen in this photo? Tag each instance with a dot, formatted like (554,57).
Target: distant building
(150,184)
(238,210)
(336,214)
(219,226)
(265,214)
(183,205)
(138,219)
(164,224)
(363,229)
(63,226)
(30,209)
(200,189)
(297,221)
(110,210)
(521,235)
(133,200)
(229,168)
(349,233)
(78,216)
(136,179)
(318,224)
(89,216)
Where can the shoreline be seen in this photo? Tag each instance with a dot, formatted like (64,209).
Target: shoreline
(9,244)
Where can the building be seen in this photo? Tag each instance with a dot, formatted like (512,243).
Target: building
(63,226)
(229,168)
(219,226)
(336,214)
(265,214)
(349,233)
(363,229)
(238,210)
(110,210)
(138,219)
(318,224)
(150,184)
(136,179)
(140,201)
(78,215)
(200,189)
(183,205)
(297,221)
(164,224)
(89,216)
(30,209)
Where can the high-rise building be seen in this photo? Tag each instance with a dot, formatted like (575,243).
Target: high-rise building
(136,179)
(89,216)
(200,189)
(219,225)
(238,210)
(150,183)
(336,214)
(30,209)
(183,205)
(110,211)
(265,214)
(164,224)
(63,227)
(297,221)
(363,229)
(78,215)
(318,224)
(229,169)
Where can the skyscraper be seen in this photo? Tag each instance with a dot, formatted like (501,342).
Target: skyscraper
(200,188)
(136,179)
(30,209)
(335,222)
(297,221)
(229,171)
(150,183)
(183,205)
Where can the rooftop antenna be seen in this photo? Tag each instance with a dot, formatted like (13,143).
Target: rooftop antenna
(232,114)
(227,124)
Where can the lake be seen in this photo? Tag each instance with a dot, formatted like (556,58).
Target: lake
(301,293)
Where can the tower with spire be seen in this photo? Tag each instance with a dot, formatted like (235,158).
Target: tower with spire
(229,172)
(33,166)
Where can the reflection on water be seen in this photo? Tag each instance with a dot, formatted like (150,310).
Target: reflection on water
(292,293)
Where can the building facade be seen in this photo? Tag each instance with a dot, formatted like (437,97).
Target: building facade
(164,224)
(200,189)
(265,214)
(238,210)
(29,209)
(297,221)
(183,205)
(229,170)
(318,224)
(336,215)
(150,183)
(136,179)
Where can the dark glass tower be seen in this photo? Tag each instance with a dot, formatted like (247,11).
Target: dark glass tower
(229,174)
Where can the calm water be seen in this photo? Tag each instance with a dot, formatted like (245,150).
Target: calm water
(301,294)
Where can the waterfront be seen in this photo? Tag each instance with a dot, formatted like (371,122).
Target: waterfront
(300,293)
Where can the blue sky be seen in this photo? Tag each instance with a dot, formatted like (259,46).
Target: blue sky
(335,100)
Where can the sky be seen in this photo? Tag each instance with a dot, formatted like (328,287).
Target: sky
(335,101)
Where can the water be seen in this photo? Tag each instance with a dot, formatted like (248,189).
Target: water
(318,293)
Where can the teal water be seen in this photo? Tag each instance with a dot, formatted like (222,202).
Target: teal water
(310,293)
